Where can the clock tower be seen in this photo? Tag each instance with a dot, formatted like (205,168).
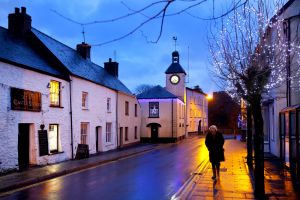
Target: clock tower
(175,78)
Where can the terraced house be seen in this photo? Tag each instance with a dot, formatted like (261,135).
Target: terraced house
(54,99)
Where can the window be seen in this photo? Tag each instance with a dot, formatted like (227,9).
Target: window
(108,105)
(84,100)
(83,133)
(135,132)
(54,93)
(126,133)
(126,108)
(108,132)
(154,109)
(135,110)
(53,138)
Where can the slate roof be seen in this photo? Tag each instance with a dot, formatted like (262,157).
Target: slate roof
(175,68)
(20,52)
(79,66)
(157,92)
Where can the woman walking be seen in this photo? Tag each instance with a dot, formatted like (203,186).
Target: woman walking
(214,142)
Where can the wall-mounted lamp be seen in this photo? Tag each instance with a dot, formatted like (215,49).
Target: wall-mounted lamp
(48,85)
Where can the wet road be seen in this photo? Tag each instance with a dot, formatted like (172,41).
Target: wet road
(154,175)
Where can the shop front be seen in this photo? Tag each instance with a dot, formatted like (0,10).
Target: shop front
(289,139)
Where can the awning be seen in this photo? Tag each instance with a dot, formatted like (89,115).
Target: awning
(290,108)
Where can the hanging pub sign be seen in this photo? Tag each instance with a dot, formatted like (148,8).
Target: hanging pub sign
(25,100)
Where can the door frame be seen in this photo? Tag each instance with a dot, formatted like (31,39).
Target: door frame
(98,138)
(21,153)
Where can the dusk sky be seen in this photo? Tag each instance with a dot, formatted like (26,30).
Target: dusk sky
(140,62)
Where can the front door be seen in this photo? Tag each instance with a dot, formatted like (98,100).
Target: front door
(23,146)
(121,136)
(98,138)
(154,133)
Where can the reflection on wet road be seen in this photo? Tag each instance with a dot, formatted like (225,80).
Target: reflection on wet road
(154,175)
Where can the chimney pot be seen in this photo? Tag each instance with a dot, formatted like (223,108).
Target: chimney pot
(112,67)
(84,50)
(23,10)
(19,25)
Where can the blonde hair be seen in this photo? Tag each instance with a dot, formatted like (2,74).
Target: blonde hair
(213,127)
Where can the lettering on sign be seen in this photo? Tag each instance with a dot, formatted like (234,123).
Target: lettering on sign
(25,100)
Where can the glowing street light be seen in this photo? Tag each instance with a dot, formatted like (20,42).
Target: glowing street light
(209,97)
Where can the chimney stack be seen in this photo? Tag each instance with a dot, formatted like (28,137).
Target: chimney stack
(19,24)
(112,68)
(84,50)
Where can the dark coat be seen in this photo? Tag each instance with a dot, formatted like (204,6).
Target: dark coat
(214,145)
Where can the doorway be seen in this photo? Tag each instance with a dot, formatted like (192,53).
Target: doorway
(23,146)
(121,136)
(154,131)
(98,138)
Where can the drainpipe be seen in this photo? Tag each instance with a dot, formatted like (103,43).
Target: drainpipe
(172,120)
(117,121)
(71,118)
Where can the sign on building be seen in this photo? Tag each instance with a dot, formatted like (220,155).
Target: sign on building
(25,100)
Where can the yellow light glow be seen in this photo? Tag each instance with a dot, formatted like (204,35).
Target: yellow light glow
(209,97)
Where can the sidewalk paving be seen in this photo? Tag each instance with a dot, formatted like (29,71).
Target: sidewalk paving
(35,175)
(235,181)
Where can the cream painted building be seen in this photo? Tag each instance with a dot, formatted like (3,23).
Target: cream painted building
(165,116)
(197,110)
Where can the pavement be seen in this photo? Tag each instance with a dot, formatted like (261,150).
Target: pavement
(38,174)
(235,181)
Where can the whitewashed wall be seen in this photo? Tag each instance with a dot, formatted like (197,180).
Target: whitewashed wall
(96,114)
(130,120)
(196,102)
(12,76)
(165,118)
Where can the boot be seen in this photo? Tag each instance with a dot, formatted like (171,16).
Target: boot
(218,170)
(214,174)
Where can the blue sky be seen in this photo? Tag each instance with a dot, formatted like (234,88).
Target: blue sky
(140,62)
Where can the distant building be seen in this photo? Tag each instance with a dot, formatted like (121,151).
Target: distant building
(223,112)
(53,98)
(197,110)
(164,110)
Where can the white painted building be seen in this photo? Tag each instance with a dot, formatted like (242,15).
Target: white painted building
(165,116)
(281,107)
(53,99)
(197,110)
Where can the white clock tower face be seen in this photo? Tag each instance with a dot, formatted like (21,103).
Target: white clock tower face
(174,79)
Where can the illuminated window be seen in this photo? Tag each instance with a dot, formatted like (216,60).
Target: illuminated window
(108,105)
(154,109)
(108,131)
(53,138)
(135,132)
(83,133)
(54,93)
(126,108)
(126,133)
(84,100)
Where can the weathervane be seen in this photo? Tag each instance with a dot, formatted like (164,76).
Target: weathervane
(83,33)
(175,41)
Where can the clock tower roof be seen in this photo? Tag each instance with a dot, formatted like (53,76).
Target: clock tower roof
(175,67)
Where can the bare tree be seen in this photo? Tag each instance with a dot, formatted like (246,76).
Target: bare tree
(160,10)
(142,88)
(250,55)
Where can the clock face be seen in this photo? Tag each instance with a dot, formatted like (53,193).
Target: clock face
(174,79)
